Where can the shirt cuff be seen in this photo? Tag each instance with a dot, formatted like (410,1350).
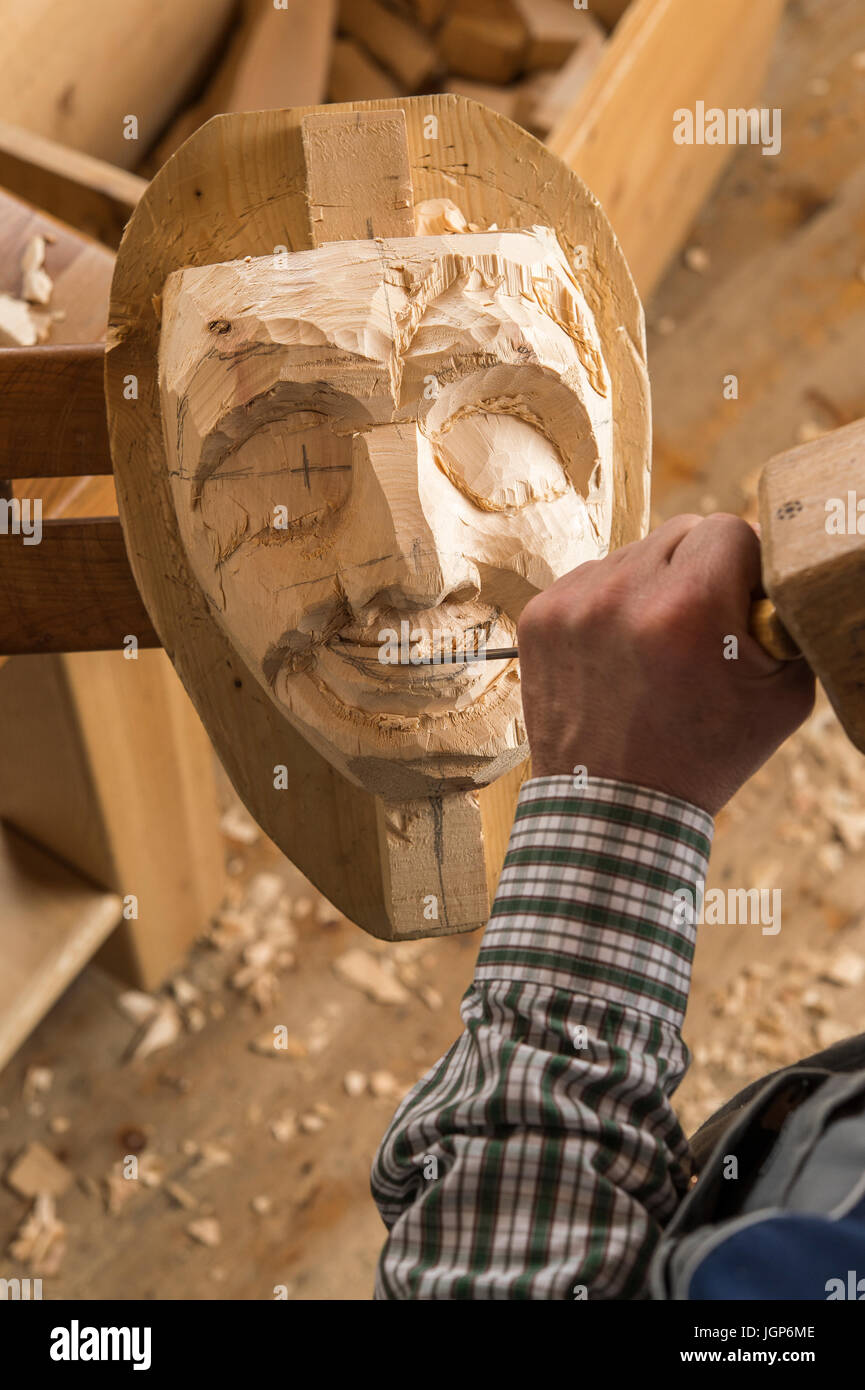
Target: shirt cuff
(590,896)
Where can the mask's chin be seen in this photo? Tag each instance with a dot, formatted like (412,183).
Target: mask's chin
(411,755)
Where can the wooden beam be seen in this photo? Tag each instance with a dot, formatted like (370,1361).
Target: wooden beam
(52,412)
(72,592)
(77,70)
(665,55)
(91,195)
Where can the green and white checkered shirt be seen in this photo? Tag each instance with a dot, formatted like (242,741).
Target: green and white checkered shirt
(540,1157)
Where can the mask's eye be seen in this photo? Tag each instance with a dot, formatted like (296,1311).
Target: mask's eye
(288,476)
(500,461)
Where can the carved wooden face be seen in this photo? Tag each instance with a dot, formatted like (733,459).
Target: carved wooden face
(382,438)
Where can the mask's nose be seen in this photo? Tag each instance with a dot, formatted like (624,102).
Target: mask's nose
(403,550)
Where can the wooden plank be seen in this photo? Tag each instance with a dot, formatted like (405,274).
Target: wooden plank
(89,194)
(74,591)
(147,54)
(392,41)
(52,412)
(666,55)
(359,182)
(53,922)
(140,731)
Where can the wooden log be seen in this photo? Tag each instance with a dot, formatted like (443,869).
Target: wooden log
(665,56)
(147,54)
(355,77)
(395,43)
(87,193)
(52,412)
(484,40)
(276,57)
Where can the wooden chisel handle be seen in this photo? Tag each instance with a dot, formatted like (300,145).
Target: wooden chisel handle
(770,632)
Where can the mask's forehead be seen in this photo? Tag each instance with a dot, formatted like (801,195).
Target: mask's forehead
(354,296)
(366,319)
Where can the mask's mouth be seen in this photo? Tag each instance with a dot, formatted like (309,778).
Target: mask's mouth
(405,666)
(408,644)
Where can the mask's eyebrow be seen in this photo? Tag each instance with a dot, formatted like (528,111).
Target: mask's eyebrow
(286,399)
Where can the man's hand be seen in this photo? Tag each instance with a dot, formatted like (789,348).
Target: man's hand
(624,671)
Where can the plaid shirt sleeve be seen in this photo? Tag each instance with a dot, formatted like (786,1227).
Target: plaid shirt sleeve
(541,1157)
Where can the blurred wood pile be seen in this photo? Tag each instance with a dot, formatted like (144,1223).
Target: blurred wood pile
(527,59)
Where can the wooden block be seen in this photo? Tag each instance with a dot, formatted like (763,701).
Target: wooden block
(618,136)
(561,92)
(814,561)
(89,194)
(485,40)
(358,177)
(74,591)
(355,77)
(36,1171)
(52,412)
(53,922)
(554,29)
(397,45)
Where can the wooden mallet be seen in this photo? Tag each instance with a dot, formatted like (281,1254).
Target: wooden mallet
(812,521)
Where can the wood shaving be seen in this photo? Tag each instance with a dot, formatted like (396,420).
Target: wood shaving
(163,1029)
(284,1126)
(36,285)
(362,971)
(207,1231)
(36,1172)
(40,1241)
